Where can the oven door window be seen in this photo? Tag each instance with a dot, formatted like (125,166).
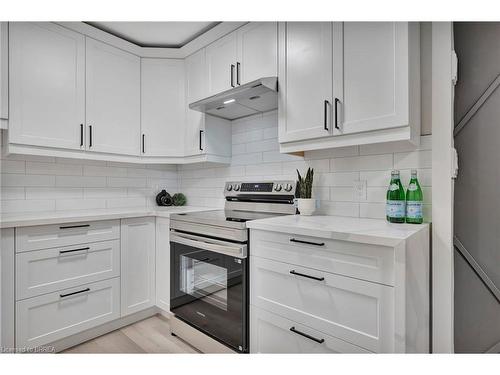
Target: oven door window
(204,280)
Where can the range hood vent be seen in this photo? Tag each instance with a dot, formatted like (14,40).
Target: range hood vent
(251,98)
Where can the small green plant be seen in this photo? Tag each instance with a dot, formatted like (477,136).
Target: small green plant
(304,185)
(179,199)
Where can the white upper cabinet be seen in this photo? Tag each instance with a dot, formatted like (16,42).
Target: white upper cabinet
(196,88)
(4,111)
(257,51)
(374,87)
(221,63)
(306,80)
(137,264)
(345,84)
(47,92)
(112,99)
(162,107)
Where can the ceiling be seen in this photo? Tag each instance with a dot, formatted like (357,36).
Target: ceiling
(156,34)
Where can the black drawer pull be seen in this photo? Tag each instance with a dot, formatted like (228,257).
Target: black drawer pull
(73,293)
(319,341)
(307,242)
(75,226)
(308,276)
(72,251)
(325,114)
(336,114)
(81,135)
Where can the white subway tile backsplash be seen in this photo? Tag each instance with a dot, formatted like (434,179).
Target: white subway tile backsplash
(126,202)
(16,180)
(80,181)
(342,194)
(416,159)
(264,145)
(361,163)
(53,169)
(17,206)
(9,193)
(98,170)
(264,169)
(126,182)
(13,166)
(108,192)
(53,193)
(339,208)
(79,204)
(345,179)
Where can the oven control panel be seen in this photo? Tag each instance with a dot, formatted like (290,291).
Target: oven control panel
(268,187)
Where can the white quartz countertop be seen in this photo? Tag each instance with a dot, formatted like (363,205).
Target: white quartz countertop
(372,231)
(56,217)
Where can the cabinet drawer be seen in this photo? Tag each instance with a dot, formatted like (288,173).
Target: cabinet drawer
(362,261)
(353,310)
(49,270)
(47,236)
(50,317)
(271,333)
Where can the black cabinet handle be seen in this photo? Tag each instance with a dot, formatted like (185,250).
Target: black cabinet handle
(201,133)
(232,75)
(75,226)
(293,272)
(238,73)
(325,114)
(72,294)
(90,136)
(319,341)
(81,135)
(307,242)
(336,114)
(72,251)
(143,143)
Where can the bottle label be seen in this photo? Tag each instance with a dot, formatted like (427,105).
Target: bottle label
(414,210)
(395,209)
(412,187)
(394,187)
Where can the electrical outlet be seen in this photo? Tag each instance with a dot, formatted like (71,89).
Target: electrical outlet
(359,190)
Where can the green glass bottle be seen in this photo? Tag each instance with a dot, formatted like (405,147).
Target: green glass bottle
(414,201)
(395,206)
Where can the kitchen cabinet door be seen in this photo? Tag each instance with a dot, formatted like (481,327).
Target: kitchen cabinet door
(162,107)
(305,79)
(112,99)
(4,40)
(257,51)
(374,87)
(196,83)
(221,64)
(137,264)
(47,92)
(163,263)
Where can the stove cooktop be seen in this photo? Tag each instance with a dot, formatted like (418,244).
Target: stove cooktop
(222,218)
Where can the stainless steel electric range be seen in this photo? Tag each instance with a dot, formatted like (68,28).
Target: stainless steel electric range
(209,259)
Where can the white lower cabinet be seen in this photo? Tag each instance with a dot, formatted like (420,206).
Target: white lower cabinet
(49,270)
(271,333)
(50,317)
(137,264)
(356,311)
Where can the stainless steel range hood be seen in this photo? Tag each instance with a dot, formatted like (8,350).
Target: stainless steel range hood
(254,97)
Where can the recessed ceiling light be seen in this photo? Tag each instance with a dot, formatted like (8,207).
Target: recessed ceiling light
(229,101)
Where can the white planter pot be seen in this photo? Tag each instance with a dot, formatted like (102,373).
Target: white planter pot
(306,206)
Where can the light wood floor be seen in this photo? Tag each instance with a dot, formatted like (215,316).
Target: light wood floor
(151,335)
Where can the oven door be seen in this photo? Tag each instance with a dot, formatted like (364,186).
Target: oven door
(209,287)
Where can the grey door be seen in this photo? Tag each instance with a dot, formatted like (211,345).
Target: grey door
(477,188)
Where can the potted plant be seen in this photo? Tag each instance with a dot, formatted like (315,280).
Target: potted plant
(305,203)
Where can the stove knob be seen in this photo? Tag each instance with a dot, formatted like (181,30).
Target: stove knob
(288,187)
(236,187)
(278,187)
(229,187)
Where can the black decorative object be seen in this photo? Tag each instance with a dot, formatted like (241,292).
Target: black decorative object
(163,198)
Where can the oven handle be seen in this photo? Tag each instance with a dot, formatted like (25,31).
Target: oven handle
(222,247)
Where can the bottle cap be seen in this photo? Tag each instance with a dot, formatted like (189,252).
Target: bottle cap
(414,172)
(395,172)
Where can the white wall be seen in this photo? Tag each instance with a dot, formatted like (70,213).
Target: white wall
(256,157)
(35,184)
